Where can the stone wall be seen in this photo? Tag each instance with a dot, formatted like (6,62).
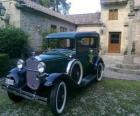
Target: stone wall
(13,12)
(33,22)
(120,25)
(36,23)
(137,31)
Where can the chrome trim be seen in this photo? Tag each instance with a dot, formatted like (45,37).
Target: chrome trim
(69,66)
(38,58)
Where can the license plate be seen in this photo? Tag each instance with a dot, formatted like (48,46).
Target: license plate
(9,82)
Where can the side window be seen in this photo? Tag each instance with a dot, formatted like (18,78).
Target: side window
(86,43)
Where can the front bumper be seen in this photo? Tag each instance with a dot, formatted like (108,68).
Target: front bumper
(24,94)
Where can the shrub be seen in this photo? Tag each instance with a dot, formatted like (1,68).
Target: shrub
(4,64)
(13,42)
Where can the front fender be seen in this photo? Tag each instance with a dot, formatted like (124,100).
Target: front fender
(16,75)
(54,78)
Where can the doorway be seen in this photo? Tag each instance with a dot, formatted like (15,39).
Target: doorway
(114,45)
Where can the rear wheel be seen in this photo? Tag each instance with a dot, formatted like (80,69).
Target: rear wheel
(58,98)
(76,73)
(100,70)
(14,98)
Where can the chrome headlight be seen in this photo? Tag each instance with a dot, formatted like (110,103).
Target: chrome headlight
(20,63)
(41,67)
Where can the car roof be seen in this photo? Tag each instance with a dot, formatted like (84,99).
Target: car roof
(72,35)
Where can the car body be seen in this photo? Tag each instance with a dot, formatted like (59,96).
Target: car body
(71,60)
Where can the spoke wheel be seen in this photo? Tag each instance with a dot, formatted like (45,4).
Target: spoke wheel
(100,70)
(58,98)
(76,73)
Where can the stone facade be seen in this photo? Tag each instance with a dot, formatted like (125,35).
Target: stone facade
(36,24)
(120,25)
(34,21)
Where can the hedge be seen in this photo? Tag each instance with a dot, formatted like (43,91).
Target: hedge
(4,64)
(13,41)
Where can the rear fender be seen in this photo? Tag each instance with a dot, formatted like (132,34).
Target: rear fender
(54,78)
(96,61)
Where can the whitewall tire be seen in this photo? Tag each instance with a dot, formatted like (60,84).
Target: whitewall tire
(100,70)
(58,98)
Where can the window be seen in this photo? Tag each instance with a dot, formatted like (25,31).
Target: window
(53,28)
(63,29)
(115,38)
(113,14)
(86,43)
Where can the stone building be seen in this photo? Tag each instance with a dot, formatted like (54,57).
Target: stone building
(35,20)
(112,22)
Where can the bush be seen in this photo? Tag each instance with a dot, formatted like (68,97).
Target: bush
(4,64)
(13,42)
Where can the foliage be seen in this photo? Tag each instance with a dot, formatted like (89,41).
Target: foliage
(61,6)
(4,64)
(13,42)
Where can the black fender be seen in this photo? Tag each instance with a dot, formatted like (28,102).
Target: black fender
(96,61)
(54,78)
(16,75)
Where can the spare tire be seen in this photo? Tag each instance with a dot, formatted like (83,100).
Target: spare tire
(75,71)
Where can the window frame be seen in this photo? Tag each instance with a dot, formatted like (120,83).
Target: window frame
(113,14)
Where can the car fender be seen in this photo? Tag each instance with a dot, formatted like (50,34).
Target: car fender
(97,60)
(15,74)
(54,78)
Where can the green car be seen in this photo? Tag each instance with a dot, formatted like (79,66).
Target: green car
(71,61)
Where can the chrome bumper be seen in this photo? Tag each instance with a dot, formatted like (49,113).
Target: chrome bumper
(24,94)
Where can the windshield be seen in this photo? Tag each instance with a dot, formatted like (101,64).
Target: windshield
(61,44)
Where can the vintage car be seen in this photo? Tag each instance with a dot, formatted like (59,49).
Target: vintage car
(71,61)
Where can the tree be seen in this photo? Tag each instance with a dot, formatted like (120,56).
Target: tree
(61,6)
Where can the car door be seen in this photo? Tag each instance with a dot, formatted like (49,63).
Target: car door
(84,53)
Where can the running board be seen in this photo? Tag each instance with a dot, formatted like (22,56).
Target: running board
(87,80)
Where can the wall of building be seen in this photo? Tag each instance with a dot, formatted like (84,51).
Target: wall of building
(12,12)
(36,23)
(119,25)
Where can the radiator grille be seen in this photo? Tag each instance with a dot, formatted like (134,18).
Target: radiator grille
(32,80)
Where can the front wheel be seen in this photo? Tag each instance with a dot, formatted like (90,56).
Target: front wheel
(14,98)
(100,70)
(58,98)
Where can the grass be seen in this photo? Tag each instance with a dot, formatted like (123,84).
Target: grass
(107,98)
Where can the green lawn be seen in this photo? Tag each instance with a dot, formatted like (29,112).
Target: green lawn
(107,98)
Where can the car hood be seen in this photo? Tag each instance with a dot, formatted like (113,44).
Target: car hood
(56,54)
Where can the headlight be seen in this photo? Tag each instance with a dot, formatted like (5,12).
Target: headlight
(41,67)
(20,63)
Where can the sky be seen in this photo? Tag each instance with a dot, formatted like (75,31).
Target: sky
(84,6)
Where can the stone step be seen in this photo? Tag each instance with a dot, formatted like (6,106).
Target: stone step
(128,66)
(127,71)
